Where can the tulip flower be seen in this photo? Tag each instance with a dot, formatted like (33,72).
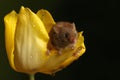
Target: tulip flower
(26,40)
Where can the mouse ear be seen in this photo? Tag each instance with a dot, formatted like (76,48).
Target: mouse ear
(56,29)
(74,27)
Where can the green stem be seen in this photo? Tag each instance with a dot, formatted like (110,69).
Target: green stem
(32,77)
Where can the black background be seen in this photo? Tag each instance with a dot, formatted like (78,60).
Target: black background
(99,19)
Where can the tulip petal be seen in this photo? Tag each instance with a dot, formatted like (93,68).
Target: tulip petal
(46,18)
(31,40)
(10,26)
(57,62)
(80,51)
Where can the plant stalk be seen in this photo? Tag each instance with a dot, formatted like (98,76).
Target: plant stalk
(32,77)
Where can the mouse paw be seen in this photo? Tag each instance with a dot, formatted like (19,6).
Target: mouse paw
(48,52)
(60,51)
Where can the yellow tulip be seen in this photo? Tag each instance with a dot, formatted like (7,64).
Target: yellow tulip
(26,39)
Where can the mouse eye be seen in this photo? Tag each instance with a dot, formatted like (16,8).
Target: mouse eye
(66,35)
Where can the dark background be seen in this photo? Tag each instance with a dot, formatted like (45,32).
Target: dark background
(99,19)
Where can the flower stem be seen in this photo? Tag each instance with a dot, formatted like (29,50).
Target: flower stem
(32,77)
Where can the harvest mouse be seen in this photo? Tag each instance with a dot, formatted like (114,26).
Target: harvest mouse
(62,35)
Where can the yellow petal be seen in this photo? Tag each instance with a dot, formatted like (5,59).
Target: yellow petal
(31,40)
(80,51)
(57,62)
(10,26)
(46,18)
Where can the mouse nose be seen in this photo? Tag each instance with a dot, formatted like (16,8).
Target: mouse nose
(72,39)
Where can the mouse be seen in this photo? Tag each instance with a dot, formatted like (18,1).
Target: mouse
(63,35)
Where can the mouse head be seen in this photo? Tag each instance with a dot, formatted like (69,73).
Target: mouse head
(66,31)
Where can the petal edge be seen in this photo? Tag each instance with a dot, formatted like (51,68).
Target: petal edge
(46,18)
(10,21)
